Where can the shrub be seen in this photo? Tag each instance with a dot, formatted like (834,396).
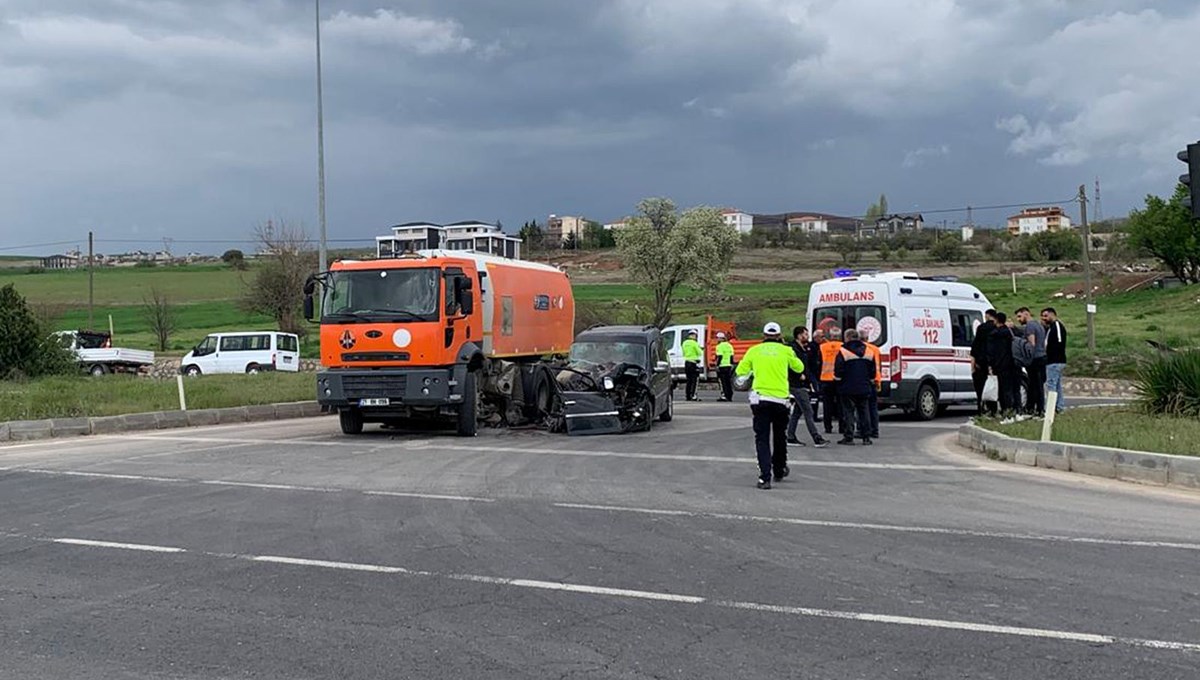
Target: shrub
(26,348)
(1169,384)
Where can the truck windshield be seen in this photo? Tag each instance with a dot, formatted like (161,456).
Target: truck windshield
(383,294)
(869,320)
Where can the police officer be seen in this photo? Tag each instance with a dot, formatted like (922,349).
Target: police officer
(725,366)
(769,363)
(693,355)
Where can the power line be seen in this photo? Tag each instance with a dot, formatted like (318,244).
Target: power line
(39,245)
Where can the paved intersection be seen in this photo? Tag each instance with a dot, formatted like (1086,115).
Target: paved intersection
(285,550)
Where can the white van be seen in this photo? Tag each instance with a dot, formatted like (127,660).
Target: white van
(673,337)
(243,353)
(922,326)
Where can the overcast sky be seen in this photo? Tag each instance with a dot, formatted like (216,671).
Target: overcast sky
(196,119)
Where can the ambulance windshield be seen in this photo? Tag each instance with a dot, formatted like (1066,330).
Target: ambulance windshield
(869,320)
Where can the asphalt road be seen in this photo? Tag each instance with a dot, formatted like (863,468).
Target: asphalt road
(285,550)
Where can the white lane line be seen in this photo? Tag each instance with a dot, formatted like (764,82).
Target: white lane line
(99,475)
(242,440)
(1050,538)
(679,598)
(431,496)
(119,546)
(270,487)
(740,460)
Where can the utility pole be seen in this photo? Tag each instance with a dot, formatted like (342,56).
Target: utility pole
(324,256)
(1087,269)
(91,280)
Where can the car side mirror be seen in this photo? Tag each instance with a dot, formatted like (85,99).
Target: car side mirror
(662,367)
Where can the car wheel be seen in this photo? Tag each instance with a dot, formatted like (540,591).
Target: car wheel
(647,409)
(926,403)
(668,413)
(252,369)
(351,420)
(191,369)
(98,370)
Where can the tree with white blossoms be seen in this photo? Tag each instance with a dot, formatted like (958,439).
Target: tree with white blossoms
(663,249)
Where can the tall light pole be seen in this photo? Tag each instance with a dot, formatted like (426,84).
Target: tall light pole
(324,255)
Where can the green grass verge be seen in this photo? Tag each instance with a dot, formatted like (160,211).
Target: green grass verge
(76,396)
(1116,427)
(130,285)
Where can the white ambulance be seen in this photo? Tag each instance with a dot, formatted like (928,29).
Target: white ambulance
(922,326)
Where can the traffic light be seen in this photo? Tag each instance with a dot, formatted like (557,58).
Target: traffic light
(1191,156)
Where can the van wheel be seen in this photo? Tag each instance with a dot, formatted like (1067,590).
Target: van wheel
(467,412)
(925,406)
(252,369)
(668,413)
(98,370)
(351,420)
(191,369)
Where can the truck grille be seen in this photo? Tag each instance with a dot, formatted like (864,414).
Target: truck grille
(375,356)
(368,386)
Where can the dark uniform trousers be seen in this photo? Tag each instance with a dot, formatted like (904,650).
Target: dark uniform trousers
(770,427)
(692,371)
(725,375)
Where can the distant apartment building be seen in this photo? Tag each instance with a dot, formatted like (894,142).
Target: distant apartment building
(471,235)
(740,221)
(816,223)
(1037,220)
(617,225)
(809,224)
(890,225)
(60,262)
(559,228)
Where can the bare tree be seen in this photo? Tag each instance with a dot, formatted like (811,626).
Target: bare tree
(160,316)
(287,259)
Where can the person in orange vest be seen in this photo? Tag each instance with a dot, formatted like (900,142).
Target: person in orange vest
(873,399)
(829,350)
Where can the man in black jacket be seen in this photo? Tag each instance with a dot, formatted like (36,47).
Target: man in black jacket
(979,365)
(799,385)
(854,371)
(1056,355)
(1001,363)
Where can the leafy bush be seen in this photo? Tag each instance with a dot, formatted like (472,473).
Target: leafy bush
(948,250)
(1169,384)
(1049,246)
(26,347)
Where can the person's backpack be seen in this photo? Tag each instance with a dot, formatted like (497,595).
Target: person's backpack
(1022,351)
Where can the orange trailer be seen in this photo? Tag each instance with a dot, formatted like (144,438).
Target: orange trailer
(439,334)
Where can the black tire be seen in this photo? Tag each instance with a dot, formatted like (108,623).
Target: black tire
(668,413)
(191,369)
(925,405)
(98,370)
(467,413)
(351,420)
(647,409)
(252,369)
(541,395)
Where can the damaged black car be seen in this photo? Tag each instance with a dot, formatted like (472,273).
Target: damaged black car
(616,380)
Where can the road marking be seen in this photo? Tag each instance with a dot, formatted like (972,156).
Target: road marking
(673,598)
(431,496)
(119,546)
(100,475)
(1049,538)
(270,487)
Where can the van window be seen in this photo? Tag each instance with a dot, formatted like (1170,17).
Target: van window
(869,320)
(287,343)
(963,323)
(233,343)
(245,343)
(669,338)
(207,346)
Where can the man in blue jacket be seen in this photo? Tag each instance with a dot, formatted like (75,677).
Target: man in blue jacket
(854,371)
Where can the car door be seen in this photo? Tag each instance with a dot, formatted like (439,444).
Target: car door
(963,323)
(230,354)
(660,381)
(204,356)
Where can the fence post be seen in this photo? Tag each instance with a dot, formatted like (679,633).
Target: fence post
(182,398)
(1051,411)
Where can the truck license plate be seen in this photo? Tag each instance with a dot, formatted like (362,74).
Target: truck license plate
(383,401)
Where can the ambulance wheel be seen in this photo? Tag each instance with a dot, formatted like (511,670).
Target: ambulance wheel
(351,420)
(925,406)
(467,411)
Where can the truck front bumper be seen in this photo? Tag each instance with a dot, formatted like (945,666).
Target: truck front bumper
(401,388)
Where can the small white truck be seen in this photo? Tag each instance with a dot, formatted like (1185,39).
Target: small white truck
(97,356)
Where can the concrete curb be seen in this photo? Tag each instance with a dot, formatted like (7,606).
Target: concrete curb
(1159,469)
(33,430)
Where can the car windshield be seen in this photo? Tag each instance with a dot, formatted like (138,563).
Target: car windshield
(869,320)
(411,294)
(608,353)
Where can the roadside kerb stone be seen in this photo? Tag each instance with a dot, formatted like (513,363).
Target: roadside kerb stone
(205,416)
(70,427)
(230,414)
(1147,468)
(170,420)
(29,430)
(4,435)
(1142,467)
(289,411)
(260,412)
(136,422)
(107,424)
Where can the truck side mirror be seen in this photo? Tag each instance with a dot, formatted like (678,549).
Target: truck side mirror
(309,311)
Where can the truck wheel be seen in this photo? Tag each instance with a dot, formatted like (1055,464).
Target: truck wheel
(669,412)
(252,369)
(191,369)
(467,411)
(98,370)
(925,406)
(351,420)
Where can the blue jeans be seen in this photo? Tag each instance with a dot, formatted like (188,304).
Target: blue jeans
(1054,384)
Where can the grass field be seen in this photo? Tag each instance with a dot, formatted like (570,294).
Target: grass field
(75,396)
(206,298)
(1114,427)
